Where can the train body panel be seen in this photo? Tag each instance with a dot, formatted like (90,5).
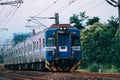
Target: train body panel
(56,49)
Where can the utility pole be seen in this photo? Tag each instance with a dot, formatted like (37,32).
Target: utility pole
(119,17)
(56,18)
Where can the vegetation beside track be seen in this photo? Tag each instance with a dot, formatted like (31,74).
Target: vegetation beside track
(100,43)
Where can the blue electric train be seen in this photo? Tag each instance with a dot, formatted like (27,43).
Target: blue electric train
(55,49)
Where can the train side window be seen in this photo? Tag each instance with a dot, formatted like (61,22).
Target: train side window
(19,51)
(28,47)
(75,41)
(22,50)
(43,42)
(34,45)
(37,44)
(31,47)
(15,52)
(40,43)
(50,41)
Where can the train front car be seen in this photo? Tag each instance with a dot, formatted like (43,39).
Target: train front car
(62,48)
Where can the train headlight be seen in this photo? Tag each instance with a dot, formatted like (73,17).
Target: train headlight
(63,28)
(60,28)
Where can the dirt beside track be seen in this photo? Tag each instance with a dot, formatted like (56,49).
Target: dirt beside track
(37,75)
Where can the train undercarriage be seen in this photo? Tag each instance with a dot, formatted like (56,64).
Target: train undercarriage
(56,65)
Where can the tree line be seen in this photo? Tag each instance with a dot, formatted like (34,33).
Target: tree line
(100,43)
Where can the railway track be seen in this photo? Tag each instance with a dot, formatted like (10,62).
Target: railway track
(95,74)
(21,77)
(36,75)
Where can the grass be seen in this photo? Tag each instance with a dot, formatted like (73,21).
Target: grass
(82,70)
(103,70)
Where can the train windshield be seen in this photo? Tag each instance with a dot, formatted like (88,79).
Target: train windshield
(63,39)
(75,41)
(50,41)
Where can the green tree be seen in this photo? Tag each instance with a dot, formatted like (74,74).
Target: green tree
(92,21)
(100,45)
(115,48)
(113,22)
(77,20)
(96,42)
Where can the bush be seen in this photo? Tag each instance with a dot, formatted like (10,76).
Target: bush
(118,70)
(94,68)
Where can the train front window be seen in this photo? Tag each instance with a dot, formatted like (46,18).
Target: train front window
(62,39)
(75,41)
(50,41)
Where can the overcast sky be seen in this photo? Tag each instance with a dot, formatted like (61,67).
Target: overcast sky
(14,17)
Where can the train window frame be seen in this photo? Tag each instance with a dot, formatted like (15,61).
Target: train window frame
(52,40)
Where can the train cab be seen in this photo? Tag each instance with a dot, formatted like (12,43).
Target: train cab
(62,45)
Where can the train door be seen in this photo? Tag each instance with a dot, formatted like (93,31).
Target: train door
(63,45)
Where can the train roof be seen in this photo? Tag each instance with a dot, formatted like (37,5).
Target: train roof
(60,25)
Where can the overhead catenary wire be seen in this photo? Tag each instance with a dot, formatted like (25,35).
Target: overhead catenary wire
(31,20)
(84,5)
(18,5)
(90,8)
(2,10)
(8,16)
(62,8)
(12,10)
(47,7)
(9,12)
(95,6)
(65,6)
(36,21)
